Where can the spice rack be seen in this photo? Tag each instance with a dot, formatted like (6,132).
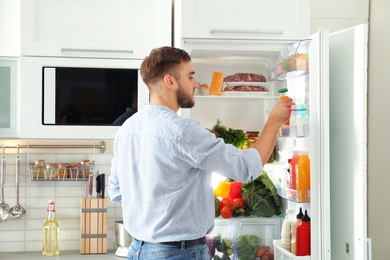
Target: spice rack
(40,171)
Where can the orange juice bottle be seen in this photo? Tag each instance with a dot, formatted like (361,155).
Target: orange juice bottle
(303,176)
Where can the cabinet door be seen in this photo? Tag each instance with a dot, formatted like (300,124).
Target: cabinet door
(8,105)
(95,28)
(9,28)
(248,19)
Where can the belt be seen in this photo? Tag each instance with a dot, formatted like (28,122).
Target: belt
(184,243)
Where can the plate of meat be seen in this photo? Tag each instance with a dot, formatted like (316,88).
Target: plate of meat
(245,83)
(245,90)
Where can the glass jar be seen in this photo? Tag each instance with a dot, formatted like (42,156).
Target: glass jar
(62,171)
(85,170)
(39,169)
(73,170)
(50,171)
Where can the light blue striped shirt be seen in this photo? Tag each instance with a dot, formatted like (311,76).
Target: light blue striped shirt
(161,174)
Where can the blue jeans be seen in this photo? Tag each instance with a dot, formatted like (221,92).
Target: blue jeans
(144,251)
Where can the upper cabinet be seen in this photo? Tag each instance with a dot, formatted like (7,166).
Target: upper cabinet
(95,28)
(249,19)
(9,28)
(8,97)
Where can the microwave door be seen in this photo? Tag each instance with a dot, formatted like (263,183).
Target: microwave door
(49,96)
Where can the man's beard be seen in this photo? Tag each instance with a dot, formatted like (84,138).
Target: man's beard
(183,99)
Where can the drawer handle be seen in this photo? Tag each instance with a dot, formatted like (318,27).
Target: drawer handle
(246,31)
(96,50)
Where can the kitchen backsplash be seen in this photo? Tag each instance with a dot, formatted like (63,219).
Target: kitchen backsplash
(25,234)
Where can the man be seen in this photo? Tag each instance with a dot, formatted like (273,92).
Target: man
(162,165)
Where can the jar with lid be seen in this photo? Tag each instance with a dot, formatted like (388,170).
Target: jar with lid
(251,137)
(85,169)
(50,171)
(62,171)
(39,169)
(73,170)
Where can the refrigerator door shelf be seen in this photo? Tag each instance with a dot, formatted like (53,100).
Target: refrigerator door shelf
(302,196)
(283,254)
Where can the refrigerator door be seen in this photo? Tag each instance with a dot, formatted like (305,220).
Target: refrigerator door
(348,142)
(319,144)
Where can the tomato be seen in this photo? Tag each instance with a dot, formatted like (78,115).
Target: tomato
(228,202)
(226,212)
(238,203)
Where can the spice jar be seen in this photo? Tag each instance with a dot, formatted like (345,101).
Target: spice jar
(62,171)
(73,170)
(50,171)
(39,169)
(84,168)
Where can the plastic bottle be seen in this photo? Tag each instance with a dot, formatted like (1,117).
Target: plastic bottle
(294,226)
(302,121)
(285,130)
(293,124)
(303,237)
(303,176)
(286,229)
(50,234)
(293,163)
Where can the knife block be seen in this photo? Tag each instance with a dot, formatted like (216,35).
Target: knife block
(93,226)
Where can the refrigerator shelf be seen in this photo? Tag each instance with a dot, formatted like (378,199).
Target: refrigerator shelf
(283,254)
(294,195)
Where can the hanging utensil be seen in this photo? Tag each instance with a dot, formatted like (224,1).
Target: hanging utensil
(4,207)
(18,210)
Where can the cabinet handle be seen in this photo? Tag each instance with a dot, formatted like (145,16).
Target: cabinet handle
(246,31)
(96,50)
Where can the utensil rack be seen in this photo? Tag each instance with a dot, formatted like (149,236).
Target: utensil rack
(101,146)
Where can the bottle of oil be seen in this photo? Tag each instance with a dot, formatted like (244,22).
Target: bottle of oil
(50,232)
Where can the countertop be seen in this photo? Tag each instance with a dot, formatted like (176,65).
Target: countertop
(64,255)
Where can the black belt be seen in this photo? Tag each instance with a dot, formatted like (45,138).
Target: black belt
(184,243)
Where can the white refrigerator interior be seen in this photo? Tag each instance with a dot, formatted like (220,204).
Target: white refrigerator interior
(335,92)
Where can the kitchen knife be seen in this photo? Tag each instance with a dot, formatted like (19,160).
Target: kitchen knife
(102,184)
(98,186)
(90,185)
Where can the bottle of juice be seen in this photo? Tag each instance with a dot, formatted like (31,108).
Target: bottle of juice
(294,231)
(293,172)
(303,237)
(285,130)
(303,175)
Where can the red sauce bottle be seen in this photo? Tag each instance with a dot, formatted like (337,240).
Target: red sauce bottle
(303,237)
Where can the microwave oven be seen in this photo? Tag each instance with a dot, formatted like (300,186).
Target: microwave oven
(77,98)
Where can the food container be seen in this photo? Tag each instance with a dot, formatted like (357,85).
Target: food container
(73,170)
(50,171)
(38,169)
(221,240)
(84,168)
(62,171)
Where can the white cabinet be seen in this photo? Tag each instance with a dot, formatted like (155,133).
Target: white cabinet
(248,19)
(95,28)
(8,97)
(9,28)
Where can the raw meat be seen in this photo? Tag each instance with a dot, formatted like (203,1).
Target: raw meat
(245,77)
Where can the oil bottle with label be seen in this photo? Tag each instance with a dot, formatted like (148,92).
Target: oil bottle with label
(50,235)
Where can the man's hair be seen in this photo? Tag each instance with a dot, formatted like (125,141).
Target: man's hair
(161,61)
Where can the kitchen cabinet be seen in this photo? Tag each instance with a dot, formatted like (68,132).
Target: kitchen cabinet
(8,97)
(95,28)
(9,28)
(249,19)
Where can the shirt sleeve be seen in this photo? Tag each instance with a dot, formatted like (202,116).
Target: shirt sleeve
(113,187)
(201,149)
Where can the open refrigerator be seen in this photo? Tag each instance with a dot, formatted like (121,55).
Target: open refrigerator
(332,82)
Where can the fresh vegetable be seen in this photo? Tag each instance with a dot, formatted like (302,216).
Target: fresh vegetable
(216,206)
(248,245)
(210,245)
(226,202)
(235,190)
(262,251)
(226,212)
(238,203)
(235,137)
(261,197)
(223,246)
(223,189)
